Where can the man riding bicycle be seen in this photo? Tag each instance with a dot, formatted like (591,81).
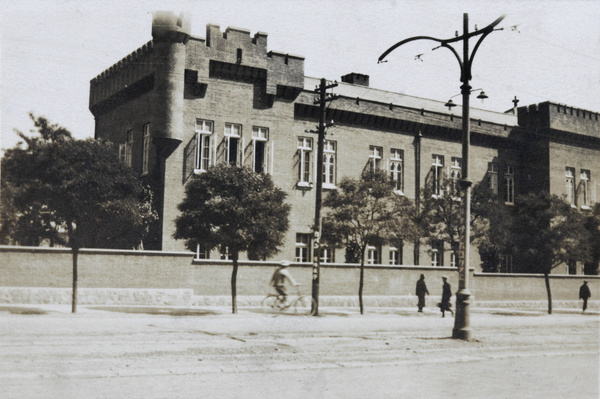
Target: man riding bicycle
(279,277)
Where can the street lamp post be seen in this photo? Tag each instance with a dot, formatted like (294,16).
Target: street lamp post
(462,329)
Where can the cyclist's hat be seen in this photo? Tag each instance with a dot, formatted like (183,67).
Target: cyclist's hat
(285,263)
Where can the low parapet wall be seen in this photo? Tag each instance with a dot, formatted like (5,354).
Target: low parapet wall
(144,272)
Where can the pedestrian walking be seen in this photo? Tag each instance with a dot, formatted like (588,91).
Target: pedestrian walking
(446,295)
(584,293)
(421,291)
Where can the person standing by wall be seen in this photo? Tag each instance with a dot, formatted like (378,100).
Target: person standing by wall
(421,291)
(584,293)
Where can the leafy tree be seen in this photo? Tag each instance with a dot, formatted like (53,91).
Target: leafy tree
(367,212)
(592,225)
(71,192)
(547,232)
(233,208)
(442,215)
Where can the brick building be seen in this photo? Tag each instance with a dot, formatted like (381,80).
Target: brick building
(180,104)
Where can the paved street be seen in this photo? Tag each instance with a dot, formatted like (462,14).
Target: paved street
(209,353)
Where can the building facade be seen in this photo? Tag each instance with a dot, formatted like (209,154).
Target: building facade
(180,104)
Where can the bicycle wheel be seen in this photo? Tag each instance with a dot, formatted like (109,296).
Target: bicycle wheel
(270,301)
(304,305)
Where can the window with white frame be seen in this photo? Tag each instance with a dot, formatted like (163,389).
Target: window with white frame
(509,185)
(455,175)
(329,158)
(570,184)
(327,255)
(585,178)
(260,136)
(373,255)
(204,131)
(224,253)
(202,251)
(375,156)
(233,134)
(437,253)
(395,256)
(454,255)
(437,170)
(302,247)
(146,149)
(305,146)
(397,169)
(493,176)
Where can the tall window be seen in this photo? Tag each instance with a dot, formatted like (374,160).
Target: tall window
(329,156)
(375,155)
(305,146)
(493,176)
(455,175)
(233,134)
(126,150)
(509,185)
(570,185)
(585,188)
(260,135)
(146,148)
(437,170)
(397,169)
(224,252)
(302,247)
(202,252)
(395,256)
(204,131)
(454,255)
(373,255)
(437,253)
(327,255)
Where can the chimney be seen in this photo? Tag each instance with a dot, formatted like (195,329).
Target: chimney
(356,79)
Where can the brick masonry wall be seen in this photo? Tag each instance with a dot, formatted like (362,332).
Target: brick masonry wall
(145,270)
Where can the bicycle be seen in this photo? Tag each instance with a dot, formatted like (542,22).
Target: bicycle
(298,304)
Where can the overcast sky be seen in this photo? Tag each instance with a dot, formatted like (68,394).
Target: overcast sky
(51,49)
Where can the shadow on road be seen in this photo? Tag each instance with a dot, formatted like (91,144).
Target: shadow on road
(22,310)
(157,311)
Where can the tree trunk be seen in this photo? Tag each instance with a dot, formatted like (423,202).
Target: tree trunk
(361,283)
(547,280)
(75,252)
(234,283)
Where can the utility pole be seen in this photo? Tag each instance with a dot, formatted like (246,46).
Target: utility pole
(322,100)
(462,329)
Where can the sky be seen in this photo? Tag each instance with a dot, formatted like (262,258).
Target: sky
(547,51)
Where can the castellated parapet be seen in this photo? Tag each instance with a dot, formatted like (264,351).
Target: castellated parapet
(560,117)
(159,67)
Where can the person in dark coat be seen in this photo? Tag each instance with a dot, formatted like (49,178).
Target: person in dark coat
(421,291)
(584,293)
(446,295)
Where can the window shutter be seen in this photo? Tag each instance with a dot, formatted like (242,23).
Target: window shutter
(242,142)
(270,158)
(122,153)
(191,157)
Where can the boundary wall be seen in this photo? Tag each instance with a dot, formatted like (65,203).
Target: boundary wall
(44,275)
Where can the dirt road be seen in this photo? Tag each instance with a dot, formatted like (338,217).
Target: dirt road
(387,353)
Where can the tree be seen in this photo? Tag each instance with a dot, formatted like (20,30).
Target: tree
(547,232)
(71,192)
(592,225)
(442,215)
(233,208)
(367,212)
